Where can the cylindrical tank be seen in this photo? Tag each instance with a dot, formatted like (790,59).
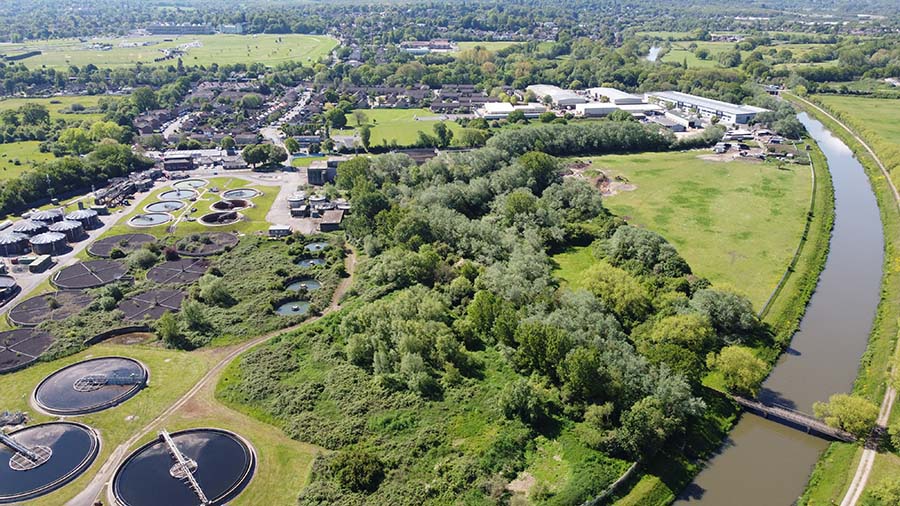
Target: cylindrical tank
(29,227)
(48,216)
(87,217)
(48,243)
(296,200)
(7,286)
(316,200)
(13,243)
(72,229)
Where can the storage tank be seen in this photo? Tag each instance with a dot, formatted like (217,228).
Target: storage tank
(72,229)
(13,243)
(48,216)
(7,286)
(49,243)
(88,217)
(29,227)
(296,200)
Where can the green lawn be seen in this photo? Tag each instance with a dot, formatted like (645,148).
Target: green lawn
(59,106)
(400,125)
(305,161)
(255,217)
(171,374)
(25,152)
(732,221)
(492,45)
(222,49)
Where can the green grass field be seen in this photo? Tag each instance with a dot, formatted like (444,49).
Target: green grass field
(255,217)
(220,48)
(305,161)
(400,125)
(26,152)
(493,45)
(680,52)
(59,106)
(732,221)
(875,120)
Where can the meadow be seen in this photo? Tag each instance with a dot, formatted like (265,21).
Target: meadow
(60,107)
(490,45)
(27,153)
(875,120)
(731,221)
(400,125)
(680,53)
(220,48)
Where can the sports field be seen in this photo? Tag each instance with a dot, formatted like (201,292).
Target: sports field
(60,107)
(732,221)
(269,49)
(400,125)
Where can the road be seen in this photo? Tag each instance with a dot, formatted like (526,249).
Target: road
(867,461)
(94,489)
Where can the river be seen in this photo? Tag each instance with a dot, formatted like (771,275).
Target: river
(763,462)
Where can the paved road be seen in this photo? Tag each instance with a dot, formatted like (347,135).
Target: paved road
(94,489)
(864,469)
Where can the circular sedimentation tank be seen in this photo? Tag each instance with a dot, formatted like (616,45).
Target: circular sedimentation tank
(221,464)
(149,219)
(293,308)
(232,205)
(310,262)
(308,284)
(178,194)
(189,184)
(64,450)
(241,193)
(90,386)
(220,218)
(164,206)
(126,243)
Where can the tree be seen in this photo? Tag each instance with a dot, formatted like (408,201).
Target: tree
(691,331)
(741,370)
(34,114)
(255,154)
(519,400)
(517,116)
(358,470)
(620,115)
(620,292)
(884,493)
(75,140)
(360,118)
(730,314)
(702,53)
(106,130)
(228,142)
(214,290)
(144,99)
(336,118)
(251,101)
(547,117)
(276,155)
(471,137)
(443,133)
(168,331)
(644,427)
(365,136)
(851,413)
(541,348)
(291,145)
(351,171)
(194,315)
(540,169)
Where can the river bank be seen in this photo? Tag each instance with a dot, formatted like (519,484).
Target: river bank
(834,471)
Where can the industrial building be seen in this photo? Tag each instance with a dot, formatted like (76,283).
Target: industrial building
(320,172)
(502,110)
(560,98)
(614,96)
(706,107)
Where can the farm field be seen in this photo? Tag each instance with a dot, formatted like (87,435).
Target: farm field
(490,45)
(874,119)
(732,221)
(59,107)
(221,49)
(26,152)
(400,125)
(679,52)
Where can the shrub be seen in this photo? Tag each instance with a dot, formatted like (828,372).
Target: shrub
(358,470)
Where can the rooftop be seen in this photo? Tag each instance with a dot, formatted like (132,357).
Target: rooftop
(706,103)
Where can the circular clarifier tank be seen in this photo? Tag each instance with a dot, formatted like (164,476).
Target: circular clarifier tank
(189,184)
(219,218)
(310,262)
(149,219)
(221,464)
(293,308)
(240,193)
(308,284)
(59,453)
(231,205)
(178,194)
(165,206)
(316,246)
(90,386)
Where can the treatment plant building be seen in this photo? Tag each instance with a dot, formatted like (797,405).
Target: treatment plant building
(707,107)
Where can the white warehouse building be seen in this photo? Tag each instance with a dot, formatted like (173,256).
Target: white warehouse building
(559,97)
(502,110)
(614,96)
(707,107)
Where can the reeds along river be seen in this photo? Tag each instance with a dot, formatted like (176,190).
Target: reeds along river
(763,462)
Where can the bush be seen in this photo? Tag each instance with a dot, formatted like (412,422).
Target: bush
(358,470)
(142,259)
